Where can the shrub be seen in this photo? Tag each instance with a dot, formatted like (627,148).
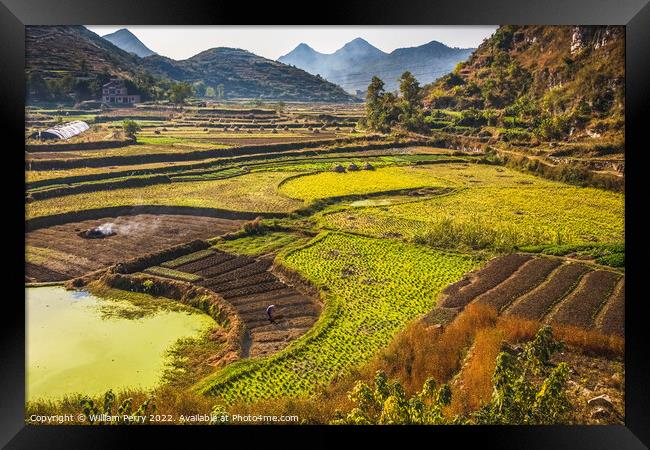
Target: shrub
(517,398)
(516,134)
(130,128)
(388,404)
(124,414)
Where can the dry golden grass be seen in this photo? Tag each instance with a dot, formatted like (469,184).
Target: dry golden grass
(591,342)
(422,351)
(474,385)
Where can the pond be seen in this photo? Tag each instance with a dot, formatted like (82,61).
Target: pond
(74,346)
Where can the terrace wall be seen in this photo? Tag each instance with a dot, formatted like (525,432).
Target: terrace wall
(96,145)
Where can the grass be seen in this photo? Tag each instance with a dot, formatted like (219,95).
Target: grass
(189,360)
(499,208)
(133,150)
(331,184)
(134,305)
(187,258)
(607,254)
(260,244)
(252,192)
(171,273)
(374,288)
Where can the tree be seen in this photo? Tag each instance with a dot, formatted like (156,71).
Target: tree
(199,88)
(388,404)
(412,116)
(37,87)
(179,92)
(220,91)
(381,112)
(130,128)
(411,94)
(83,90)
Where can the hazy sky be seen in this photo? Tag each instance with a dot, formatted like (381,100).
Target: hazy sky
(181,42)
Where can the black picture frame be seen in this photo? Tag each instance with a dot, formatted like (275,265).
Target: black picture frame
(15,14)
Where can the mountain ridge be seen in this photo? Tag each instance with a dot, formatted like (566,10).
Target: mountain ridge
(573,75)
(127,41)
(56,51)
(354,64)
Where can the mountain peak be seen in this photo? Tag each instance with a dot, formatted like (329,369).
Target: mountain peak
(360,43)
(127,41)
(303,46)
(124,31)
(359,47)
(302,50)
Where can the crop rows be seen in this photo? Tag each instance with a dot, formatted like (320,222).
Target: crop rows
(250,287)
(374,286)
(613,317)
(548,289)
(171,273)
(581,306)
(540,300)
(187,258)
(495,272)
(527,277)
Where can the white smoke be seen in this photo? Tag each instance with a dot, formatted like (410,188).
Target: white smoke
(106,229)
(134,227)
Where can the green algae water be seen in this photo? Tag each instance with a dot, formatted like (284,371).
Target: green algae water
(73,346)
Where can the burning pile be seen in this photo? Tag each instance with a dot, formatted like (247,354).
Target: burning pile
(99,232)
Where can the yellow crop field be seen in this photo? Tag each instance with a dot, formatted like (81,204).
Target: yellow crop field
(491,215)
(253,192)
(332,184)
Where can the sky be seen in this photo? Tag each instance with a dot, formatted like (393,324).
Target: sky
(181,42)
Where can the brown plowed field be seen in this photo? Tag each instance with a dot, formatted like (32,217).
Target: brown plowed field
(57,253)
(249,285)
(496,271)
(537,303)
(554,290)
(612,319)
(529,275)
(581,306)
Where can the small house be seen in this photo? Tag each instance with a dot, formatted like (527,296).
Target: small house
(116,92)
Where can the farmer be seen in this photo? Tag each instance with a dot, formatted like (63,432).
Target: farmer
(269,312)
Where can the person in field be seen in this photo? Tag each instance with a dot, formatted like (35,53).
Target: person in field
(269,313)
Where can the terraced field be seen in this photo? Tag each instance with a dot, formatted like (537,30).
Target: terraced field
(515,209)
(393,241)
(554,290)
(252,192)
(58,253)
(250,286)
(374,287)
(331,184)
